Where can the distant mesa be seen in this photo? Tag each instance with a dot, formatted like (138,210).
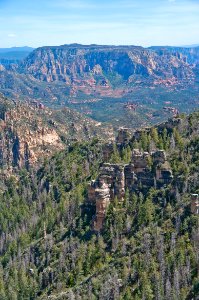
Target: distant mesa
(76,75)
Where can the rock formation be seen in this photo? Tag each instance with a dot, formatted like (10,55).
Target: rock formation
(70,62)
(115,179)
(109,184)
(95,70)
(30,131)
(123,136)
(107,150)
(102,195)
(195,204)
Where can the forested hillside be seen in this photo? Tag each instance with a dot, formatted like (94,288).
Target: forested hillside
(148,247)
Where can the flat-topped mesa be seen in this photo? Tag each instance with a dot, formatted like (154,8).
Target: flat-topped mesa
(195,204)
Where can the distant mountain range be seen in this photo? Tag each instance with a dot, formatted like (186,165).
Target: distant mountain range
(14,54)
(192,46)
(17,49)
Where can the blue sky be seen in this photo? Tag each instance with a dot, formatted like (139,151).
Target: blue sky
(55,22)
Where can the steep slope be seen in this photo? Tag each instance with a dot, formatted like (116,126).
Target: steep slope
(26,87)
(103,80)
(96,66)
(189,54)
(148,246)
(67,62)
(30,132)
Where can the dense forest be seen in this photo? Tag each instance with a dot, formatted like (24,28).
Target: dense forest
(148,247)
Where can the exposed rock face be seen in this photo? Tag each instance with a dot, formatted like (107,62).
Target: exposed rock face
(102,201)
(114,179)
(130,176)
(78,75)
(123,136)
(189,55)
(170,124)
(113,175)
(25,139)
(69,62)
(109,184)
(195,204)
(107,151)
(29,132)
(93,70)
(139,160)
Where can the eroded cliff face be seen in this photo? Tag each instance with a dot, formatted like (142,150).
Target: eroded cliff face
(115,179)
(189,55)
(65,63)
(29,132)
(88,78)
(145,170)
(25,138)
(99,69)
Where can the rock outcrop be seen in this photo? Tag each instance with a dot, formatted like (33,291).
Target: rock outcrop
(102,194)
(195,204)
(25,138)
(30,131)
(115,179)
(109,184)
(123,136)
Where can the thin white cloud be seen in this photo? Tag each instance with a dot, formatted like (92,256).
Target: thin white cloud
(12,35)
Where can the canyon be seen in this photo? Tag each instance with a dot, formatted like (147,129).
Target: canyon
(98,80)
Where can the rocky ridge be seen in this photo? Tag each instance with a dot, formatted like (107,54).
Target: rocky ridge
(114,180)
(30,132)
(67,62)
(106,71)
(145,170)
(95,69)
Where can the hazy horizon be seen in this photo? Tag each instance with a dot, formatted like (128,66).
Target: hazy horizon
(114,45)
